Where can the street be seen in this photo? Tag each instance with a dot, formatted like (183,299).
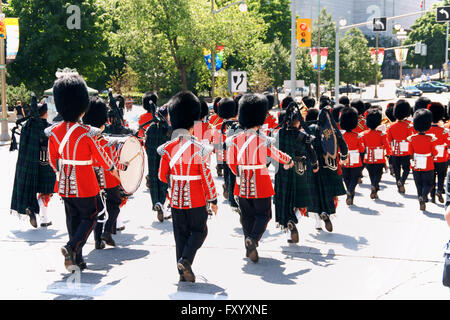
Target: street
(379,249)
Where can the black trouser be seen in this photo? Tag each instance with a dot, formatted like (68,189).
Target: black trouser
(351,177)
(399,163)
(440,172)
(190,231)
(375,173)
(226,175)
(256,214)
(424,182)
(113,201)
(361,155)
(81,215)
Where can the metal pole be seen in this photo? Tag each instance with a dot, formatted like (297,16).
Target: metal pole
(4,121)
(376,67)
(401,65)
(318,59)
(336,67)
(446,55)
(293,48)
(213,60)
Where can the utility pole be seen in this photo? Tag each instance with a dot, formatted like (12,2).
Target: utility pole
(4,121)
(318,59)
(336,69)
(293,48)
(376,67)
(446,55)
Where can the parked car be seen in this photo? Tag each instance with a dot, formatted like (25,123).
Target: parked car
(429,87)
(408,92)
(441,84)
(351,88)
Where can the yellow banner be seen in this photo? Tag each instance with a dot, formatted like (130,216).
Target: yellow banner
(12,38)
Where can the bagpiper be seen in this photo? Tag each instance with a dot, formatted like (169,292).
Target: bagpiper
(73,148)
(184,166)
(34,180)
(247,154)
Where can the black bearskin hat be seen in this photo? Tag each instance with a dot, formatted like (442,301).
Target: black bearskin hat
(421,103)
(438,111)
(71,97)
(309,102)
(184,109)
(312,115)
(344,100)
(367,106)
(216,104)
(271,99)
(252,110)
(204,109)
(286,102)
(324,102)
(237,98)
(402,109)
(149,101)
(227,108)
(121,101)
(422,120)
(97,114)
(42,109)
(336,112)
(390,112)
(373,119)
(349,118)
(358,104)
(281,116)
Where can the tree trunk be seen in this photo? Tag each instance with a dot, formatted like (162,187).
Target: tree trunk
(183,77)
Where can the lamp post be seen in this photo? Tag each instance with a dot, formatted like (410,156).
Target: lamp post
(340,24)
(4,121)
(402,36)
(243,8)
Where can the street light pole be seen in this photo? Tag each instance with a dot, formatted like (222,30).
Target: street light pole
(318,59)
(4,121)
(446,55)
(336,69)
(376,67)
(293,48)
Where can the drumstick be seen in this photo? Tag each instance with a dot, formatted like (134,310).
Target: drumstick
(135,156)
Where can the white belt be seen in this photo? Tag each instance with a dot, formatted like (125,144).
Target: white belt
(422,155)
(186,178)
(253,167)
(76,163)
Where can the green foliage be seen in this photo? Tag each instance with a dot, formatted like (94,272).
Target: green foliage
(13,94)
(327,40)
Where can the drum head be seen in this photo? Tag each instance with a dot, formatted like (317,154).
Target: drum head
(132,152)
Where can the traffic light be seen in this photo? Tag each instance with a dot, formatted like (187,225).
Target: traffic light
(2,30)
(304,33)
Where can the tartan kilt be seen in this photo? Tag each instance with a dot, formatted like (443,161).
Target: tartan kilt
(46,179)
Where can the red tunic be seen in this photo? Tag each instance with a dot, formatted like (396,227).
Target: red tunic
(247,154)
(215,121)
(361,127)
(183,160)
(423,146)
(77,179)
(375,146)
(143,119)
(443,139)
(397,135)
(271,121)
(355,148)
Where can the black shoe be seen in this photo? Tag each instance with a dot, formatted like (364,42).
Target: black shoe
(182,279)
(252,253)
(349,199)
(120,229)
(373,193)
(328,225)
(32,217)
(294,232)
(401,187)
(82,266)
(45,225)
(69,257)
(440,197)
(106,236)
(160,211)
(99,245)
(185,266)
(422,204)
(433,199)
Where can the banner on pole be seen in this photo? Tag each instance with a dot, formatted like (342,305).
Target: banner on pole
(373,52)
(219,57)
(401,54)
(323,57)
(12,38)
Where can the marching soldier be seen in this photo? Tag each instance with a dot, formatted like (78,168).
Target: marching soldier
(271,122)
(72,149)
(184,164)
(149,101)
(247,154)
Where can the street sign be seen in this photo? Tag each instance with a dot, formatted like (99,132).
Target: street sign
(418,48)
(424,49)
(443,14)
(379,24)
(238,81)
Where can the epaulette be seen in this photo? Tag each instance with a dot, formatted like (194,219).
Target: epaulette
(269,140)
(92,131)
(360,135)
(205,149)
(162,148)
(433,137)
(48,130)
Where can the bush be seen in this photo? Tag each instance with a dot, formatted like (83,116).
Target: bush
(18,93)
(136,96)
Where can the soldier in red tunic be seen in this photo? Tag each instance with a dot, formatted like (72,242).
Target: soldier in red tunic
(149,101)
(73,148)
(423,150)
(376,148)
(397,135)
(440,161)
(271,121)
(351,168)
(185,168)
(247,154)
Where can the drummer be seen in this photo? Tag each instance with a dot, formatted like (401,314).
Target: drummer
(97,117)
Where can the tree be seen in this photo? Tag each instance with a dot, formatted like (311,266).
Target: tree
(327,40)
(46,42)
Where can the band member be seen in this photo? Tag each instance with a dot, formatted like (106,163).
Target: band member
(440,161)
(247,154)
(359,106)
(327,183)
(34,180)
(344,100)
(351,168)
(183,163)
(215,123)
(271,121)
(397,135)
(421,103)
(292,191)
(96,117)
(423,150)
(389,120)
(72,149)
(336,112)
(116,123)
(149,103)
(376,147)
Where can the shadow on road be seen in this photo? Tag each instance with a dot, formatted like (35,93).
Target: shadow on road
(432,215)
(127,239)
(35,236)
(164,227)
(201,287)
(363,210)
(348,242)
(389,203)
(310,254)
(104,259)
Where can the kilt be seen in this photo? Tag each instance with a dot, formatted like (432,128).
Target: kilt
(46,179)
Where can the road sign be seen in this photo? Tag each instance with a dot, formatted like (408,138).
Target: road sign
(443,14)
(379,24)
(304,27)
(238,81)
(424,49)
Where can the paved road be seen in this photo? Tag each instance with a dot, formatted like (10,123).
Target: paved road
(382,249)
